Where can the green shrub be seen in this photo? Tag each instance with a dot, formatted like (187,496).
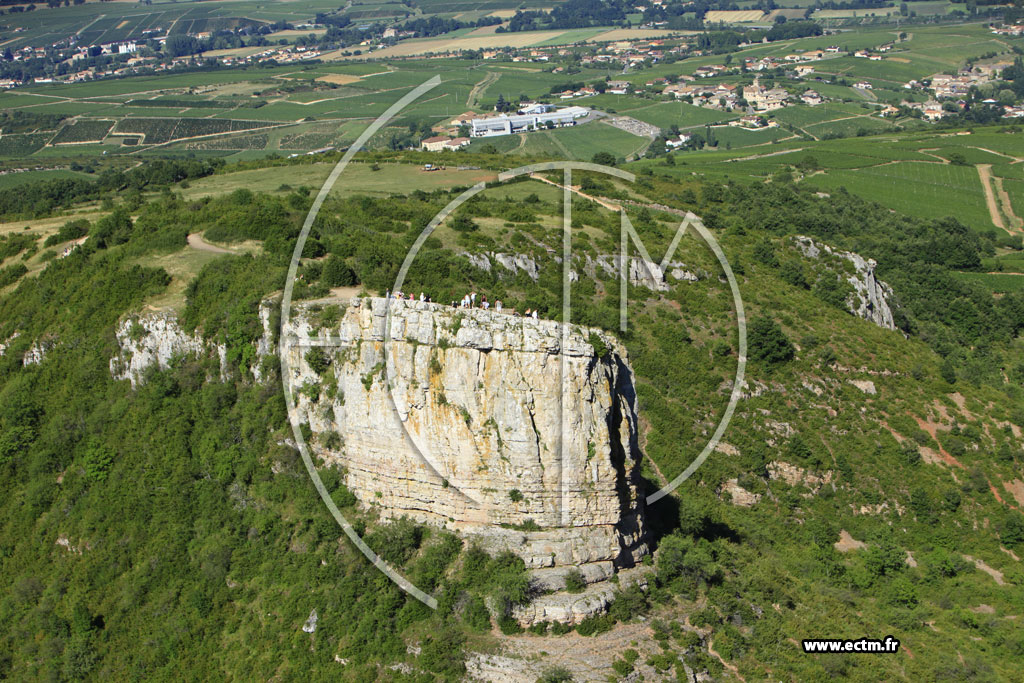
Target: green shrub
(574,581)
(767,342)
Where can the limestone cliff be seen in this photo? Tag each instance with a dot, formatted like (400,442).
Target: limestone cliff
(640,273)
(871,297)
(511,430)
(154,340)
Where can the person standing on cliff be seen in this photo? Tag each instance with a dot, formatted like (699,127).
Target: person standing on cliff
(535,314)
(472,299)
(497,305)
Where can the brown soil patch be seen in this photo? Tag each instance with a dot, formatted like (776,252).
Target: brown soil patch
(339,79)
(901,60)
(931,428)
(930,455)
(961,403)
(942,412)
(1016,489)
(846,542)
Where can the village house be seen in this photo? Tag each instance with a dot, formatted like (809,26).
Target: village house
(811,97)
(708,71)
(764,99)
(1013,30)
(945,85)
(678,142)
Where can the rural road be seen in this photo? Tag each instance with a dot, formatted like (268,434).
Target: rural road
(196,241)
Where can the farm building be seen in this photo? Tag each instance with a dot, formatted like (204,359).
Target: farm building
(443,144)
(519,123)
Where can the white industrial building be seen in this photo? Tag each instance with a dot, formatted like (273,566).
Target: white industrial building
(506,124)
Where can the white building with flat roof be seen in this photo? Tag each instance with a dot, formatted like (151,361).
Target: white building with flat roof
(507,124)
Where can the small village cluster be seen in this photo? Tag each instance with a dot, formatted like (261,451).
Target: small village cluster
(470,300)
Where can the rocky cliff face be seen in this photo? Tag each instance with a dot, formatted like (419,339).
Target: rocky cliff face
(511,430)
(640,274)
(871,296)
(154,340)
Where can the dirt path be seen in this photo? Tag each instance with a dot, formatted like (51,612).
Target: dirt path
(765,156)
(473,100)
(196,241)
(82,30)
(1016,222)
(603,202)
(999,154)
(985,173)
(730,667)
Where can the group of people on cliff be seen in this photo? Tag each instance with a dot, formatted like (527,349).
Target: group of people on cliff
(468,301)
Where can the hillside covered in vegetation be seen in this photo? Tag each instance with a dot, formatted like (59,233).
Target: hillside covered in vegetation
(870,483)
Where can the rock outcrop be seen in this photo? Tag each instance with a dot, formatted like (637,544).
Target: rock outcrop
(7,342)
(640,274)
(37,352)
(154,340)
(513,431)
(871,297)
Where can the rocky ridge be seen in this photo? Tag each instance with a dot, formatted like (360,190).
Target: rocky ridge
(639,272)
(871,297)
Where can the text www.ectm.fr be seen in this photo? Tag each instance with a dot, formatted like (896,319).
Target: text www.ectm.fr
(889,645)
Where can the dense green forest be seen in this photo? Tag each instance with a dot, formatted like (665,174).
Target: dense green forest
(170,531)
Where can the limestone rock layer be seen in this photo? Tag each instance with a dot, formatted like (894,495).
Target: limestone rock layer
(516,432)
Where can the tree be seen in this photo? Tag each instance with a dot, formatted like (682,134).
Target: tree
(1012,531)
(336,272)
(768,344)
(604,158)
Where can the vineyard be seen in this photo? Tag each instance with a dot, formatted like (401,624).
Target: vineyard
(23,145)
(304,141)
(85,130)
(181,104)
(239,142)
(154,131)
(157,131)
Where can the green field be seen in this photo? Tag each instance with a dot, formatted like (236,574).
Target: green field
(8,180)
(997,282)
(923,189)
